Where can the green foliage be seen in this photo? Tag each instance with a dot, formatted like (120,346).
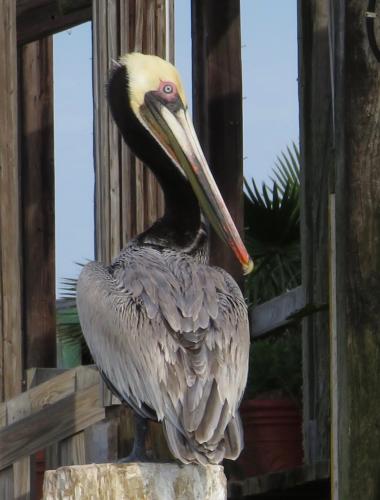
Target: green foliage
(272,231)
(69,331)
(272,237)
(276,367)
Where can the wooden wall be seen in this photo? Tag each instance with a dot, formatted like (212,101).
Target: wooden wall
(10,241)
(217,103)
(36,102)
(355,302)
(127,197)
(316,145)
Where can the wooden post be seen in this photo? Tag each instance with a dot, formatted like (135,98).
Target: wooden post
(37,195)
(127,197)
(316,164)
(136,480)
(217,101)
(357,110)
(10,250)
(40,18)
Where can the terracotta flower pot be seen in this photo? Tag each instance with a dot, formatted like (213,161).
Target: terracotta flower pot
(272,435)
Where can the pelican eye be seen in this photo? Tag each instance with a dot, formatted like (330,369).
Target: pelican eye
(167,88)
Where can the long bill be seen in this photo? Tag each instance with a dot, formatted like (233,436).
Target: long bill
(175,133)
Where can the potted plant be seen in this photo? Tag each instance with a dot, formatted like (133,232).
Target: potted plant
(271,409)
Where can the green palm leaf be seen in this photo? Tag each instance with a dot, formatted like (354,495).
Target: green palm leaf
(272,230)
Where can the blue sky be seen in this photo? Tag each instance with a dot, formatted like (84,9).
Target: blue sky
(270,107)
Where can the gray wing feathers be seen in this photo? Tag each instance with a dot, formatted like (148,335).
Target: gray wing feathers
(172,334)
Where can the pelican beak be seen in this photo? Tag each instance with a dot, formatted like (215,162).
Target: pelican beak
(173,129)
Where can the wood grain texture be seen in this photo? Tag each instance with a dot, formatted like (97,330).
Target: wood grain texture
(277,313)
(334,388)
(217,103)
(6,483)
(37,201)
(101,442)
(141,481)
(36,376)
(37,19)
(54,422)
(48,393)
(22,480)
(72,450)
(155,443)
(316,146)
(128,199)
(357,186)
(10,248)
(3,414)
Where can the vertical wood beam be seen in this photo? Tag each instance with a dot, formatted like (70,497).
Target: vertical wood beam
(357,111)
(127,197)
(316,144)
(6,483)
(37,189)
(217,101)
(10,250)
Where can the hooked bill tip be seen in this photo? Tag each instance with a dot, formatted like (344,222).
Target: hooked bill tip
(248,268)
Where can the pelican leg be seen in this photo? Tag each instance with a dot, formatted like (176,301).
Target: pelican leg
(138,453)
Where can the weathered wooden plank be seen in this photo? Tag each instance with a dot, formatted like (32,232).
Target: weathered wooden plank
(22,479)
(165,49)
(37,19)
(6,483)
(10,248)
(149,183)
(37,192)
(135,481)
(217,102)
(48,393)
(357,195)
(277,313)
(101,442)
(155,443)
(127,197)
(316,144)
(72,450)
(3,414)
(52,456)
(334,389)
(58,421)
(40,396)
(36,376)
(113,52)
(169,30)
(137,45)
(86,376)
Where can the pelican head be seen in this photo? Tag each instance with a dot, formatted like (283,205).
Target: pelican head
(151,90)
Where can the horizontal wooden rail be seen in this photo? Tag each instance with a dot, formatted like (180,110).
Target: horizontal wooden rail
(49,412)
(53,423)
(39,18)
(47,393)
(276,314)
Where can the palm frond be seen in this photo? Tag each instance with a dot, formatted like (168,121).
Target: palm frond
(69,331)
(287,167)
(272,230)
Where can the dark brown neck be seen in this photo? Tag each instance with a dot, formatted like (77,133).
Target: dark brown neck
(182,219)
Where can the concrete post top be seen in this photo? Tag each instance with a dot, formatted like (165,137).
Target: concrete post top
(137,481)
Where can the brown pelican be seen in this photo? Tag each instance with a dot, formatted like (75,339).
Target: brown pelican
(168,332)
